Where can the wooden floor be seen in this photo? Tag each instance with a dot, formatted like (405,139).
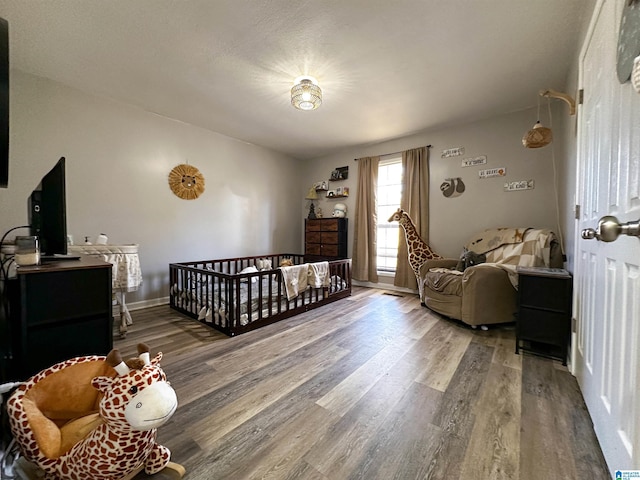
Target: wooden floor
(371,387)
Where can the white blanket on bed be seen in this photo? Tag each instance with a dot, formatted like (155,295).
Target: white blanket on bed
(295,279)
(319,274)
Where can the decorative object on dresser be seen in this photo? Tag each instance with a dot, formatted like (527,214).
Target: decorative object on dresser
(216,293)
(339,210)
(543,323)
(312,195)
(325,239)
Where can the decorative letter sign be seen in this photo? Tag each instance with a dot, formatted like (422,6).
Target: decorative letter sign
(470,162)
(453,152)
(493,172)
(519,185)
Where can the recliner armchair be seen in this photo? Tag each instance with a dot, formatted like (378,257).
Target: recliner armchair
(486,294)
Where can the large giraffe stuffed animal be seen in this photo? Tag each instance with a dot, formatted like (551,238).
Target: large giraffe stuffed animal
(418,250)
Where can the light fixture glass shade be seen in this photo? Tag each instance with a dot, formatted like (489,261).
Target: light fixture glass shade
(312,194)
(306,94)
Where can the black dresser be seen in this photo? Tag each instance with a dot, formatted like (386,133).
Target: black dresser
(56,311)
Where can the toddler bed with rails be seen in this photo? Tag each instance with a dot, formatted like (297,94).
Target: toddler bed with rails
(236,295)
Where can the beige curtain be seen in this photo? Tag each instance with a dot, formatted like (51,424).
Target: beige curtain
(364,256)
(415,201)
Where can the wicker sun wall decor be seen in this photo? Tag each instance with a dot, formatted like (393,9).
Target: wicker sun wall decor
(186,182)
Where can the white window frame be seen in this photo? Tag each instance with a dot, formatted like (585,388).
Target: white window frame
(387,232)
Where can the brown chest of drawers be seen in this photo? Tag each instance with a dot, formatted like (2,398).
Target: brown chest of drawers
(325,239)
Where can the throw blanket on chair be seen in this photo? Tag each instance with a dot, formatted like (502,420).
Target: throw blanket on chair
(534,250)
(496,237)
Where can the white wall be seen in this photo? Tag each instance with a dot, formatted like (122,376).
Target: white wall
(118,161)
(484,204)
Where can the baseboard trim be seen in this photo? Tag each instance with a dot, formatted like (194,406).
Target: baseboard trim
(154,302)
(384,286)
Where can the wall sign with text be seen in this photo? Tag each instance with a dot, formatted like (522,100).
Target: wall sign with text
(470,162)
(519,185)
(453,152)
(492,172)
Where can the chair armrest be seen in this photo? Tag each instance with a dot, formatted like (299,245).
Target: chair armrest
(437,263)
(487,295)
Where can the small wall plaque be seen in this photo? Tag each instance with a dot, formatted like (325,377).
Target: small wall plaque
(519,185)
(453,152)
(492,172)
(470,162)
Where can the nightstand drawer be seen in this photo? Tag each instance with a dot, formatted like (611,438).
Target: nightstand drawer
(544,293)
(545,327)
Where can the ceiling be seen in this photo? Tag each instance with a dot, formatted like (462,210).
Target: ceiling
(387,68)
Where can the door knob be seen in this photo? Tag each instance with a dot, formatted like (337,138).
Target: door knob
(609,229)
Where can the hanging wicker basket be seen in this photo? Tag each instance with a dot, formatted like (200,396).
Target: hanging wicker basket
(537,137)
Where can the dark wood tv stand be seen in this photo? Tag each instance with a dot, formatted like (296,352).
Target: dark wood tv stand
(56,311)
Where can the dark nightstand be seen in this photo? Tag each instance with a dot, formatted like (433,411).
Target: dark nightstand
(543,323)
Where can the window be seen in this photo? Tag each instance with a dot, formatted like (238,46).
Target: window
(389,191)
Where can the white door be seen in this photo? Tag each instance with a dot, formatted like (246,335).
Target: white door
(606,346)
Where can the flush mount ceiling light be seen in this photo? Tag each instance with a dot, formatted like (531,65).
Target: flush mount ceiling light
(306,93)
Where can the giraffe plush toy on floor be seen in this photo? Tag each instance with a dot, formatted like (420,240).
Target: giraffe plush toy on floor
(418,250)
(95,417)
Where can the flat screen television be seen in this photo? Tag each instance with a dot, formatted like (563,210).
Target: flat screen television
(48,211)
(4,103)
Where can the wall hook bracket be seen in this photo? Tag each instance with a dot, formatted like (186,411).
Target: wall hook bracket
(562,96)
